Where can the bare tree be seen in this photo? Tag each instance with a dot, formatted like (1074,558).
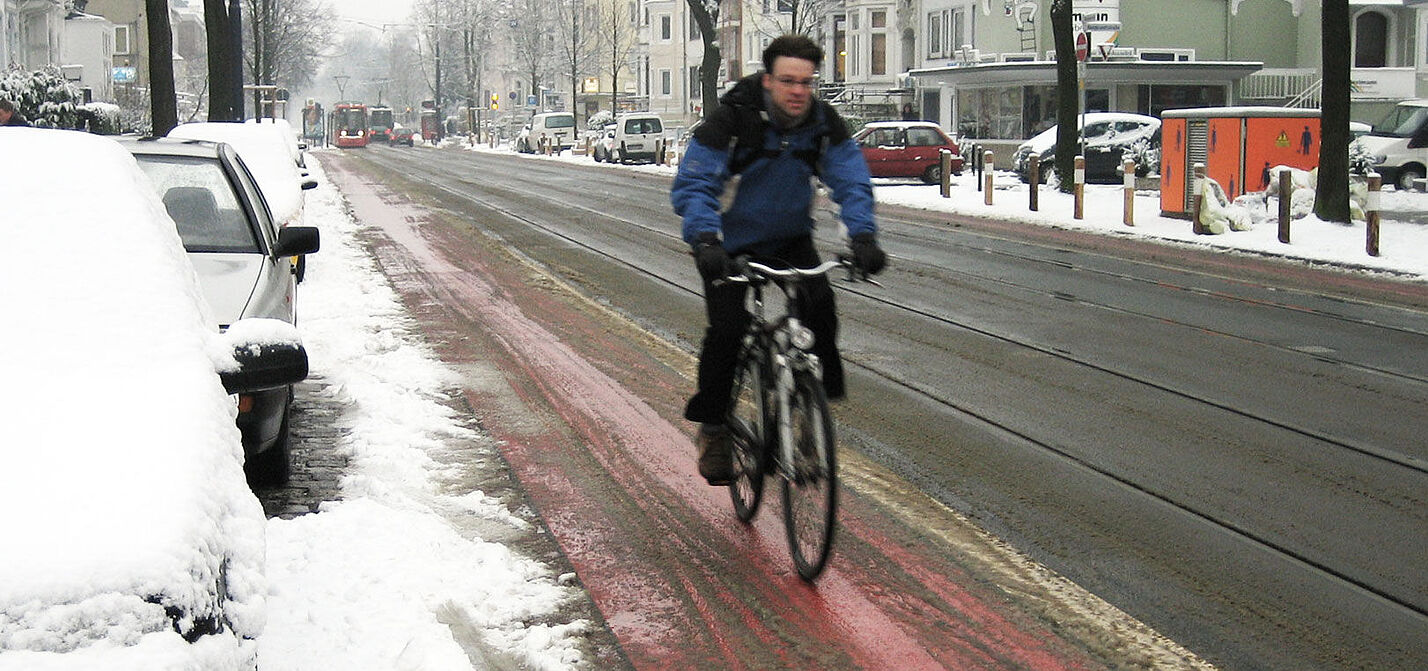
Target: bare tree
(1067,104)
(531,37)
(706,16)
(1331,196)
(616,38)
(285,40)
(577,23)
(162,98)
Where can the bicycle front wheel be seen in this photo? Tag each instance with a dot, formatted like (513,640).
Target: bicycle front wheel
(810,484)
(748,427)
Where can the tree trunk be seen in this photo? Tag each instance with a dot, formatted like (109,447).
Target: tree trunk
(1331,196)
(220,61)
(1068,102)
(709,66)
(235,42)
(162,101)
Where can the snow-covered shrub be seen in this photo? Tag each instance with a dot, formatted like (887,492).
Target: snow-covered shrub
(1360,158)
(44,96)
(599,119)
(102,118)
(1146,157)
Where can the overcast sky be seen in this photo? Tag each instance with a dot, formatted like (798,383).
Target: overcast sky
(374,12)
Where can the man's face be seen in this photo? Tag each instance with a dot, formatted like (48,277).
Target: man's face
(790,84)
(5,115)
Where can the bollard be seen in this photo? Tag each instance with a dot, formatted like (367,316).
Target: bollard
(977,164)
(1128,177)
(1286,189)
(659,151)
(988,161)
(1197,182)
(1375,182)
(1079,188)
(944,160)
(1033,170)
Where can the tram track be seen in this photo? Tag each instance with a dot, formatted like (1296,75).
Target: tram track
(452,183)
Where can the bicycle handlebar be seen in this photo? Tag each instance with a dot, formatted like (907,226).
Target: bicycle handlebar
(750,270)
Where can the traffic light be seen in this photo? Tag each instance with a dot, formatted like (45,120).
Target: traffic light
(495,101)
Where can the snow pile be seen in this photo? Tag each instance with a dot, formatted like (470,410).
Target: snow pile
(382,579)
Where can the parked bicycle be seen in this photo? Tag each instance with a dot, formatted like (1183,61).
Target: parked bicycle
(779,417)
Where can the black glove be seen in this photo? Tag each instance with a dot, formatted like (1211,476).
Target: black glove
(867,255)
(710,257)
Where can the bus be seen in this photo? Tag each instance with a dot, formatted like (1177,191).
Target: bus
(379,123)
(349,125)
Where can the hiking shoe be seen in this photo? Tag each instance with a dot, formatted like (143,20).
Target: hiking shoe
(715,454)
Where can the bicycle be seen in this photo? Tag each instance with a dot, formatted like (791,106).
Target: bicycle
(779,418)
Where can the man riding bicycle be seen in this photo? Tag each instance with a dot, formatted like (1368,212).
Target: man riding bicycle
(772,132)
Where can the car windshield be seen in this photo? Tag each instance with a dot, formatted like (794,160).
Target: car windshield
(560,121)
(201,201)
(1402,121)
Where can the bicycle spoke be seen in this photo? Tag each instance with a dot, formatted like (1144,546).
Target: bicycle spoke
(810,487)
(748,428)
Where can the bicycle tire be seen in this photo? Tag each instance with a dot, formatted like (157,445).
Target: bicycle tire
(810,486)
(749,428)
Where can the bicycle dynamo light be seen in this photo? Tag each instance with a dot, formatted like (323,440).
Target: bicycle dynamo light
(800,336)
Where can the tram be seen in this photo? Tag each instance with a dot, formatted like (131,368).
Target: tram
(349,125)
(379,123)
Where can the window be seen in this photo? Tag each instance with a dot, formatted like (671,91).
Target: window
(666,28)
(694,81)
(666,83)
(878,43)
(923,136)
(957,32)
(934,35)
(121,39)
(693,28)
(634,14)
(786,6)
(1370,40)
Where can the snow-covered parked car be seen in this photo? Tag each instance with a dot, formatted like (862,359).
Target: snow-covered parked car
(241,256)
(269,154)
(1110,137)
(131,538)
(601,149)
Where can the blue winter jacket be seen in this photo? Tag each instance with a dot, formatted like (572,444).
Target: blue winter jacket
(773,199)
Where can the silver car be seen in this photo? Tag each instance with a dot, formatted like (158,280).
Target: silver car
(242,259)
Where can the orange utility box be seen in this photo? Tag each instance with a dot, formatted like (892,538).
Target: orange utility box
(1238,146)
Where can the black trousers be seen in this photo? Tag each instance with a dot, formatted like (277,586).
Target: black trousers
(729,320)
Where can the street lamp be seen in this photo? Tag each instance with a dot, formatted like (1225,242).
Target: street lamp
(341,86)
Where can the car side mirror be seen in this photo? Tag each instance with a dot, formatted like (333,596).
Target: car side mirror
(296,241)
(267,354)
(308,183)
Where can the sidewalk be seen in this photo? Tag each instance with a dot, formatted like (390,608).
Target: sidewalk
(1403,240)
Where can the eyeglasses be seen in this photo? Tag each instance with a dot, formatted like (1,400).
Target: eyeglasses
(790,82)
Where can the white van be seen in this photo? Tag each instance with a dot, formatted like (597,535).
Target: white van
(557,127)
(636,137)
(1398,145)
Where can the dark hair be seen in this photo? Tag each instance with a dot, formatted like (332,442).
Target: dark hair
(795,46)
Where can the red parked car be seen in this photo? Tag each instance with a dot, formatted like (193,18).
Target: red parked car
(907,149)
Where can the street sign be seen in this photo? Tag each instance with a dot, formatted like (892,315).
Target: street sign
(125,74)
(1083,46)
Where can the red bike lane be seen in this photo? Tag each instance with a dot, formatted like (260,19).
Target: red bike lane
(586,407)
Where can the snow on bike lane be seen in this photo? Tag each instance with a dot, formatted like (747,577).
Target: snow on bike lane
(586,408)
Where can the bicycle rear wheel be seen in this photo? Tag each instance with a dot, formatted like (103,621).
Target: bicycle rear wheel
(810,486)
(749,429)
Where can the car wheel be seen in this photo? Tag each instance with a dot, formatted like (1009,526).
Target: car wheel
(617,156)
(933,174)
(1406,175)
(270,467)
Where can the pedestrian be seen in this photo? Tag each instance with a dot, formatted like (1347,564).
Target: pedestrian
(772,132)
(9,116)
